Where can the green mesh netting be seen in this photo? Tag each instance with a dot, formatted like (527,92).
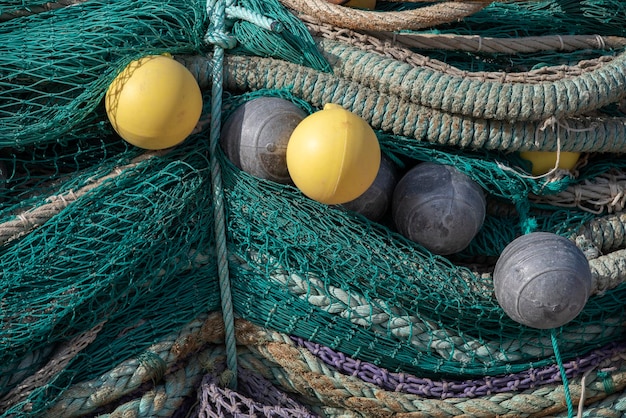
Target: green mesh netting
(323,265)
(113,257)
(529,18)
(112,249)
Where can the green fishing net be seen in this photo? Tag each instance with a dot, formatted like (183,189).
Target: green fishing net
(112,248)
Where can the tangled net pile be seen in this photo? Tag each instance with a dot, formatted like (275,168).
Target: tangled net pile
(171,283)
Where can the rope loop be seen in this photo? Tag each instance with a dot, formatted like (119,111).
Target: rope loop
(219,14)
(216,33)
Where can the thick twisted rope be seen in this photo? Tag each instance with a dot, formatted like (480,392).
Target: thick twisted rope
(418,18)
(157,361)
(32,218)
(480,99)
(400,117)
(181,360)
(62,356)
(394,47)
(163,400)
(424,334)
(524,44)
(298,370)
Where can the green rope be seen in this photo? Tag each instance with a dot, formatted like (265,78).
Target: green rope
(607,381)
(559,362)
(217,36)
(127,377)
(483,99)
(394,115)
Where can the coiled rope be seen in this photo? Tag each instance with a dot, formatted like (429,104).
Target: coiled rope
(402,117)
(480,99)
(421,332)
(298,370)
(399,48)
(418,18)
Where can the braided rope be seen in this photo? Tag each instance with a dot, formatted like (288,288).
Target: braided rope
(85,397)
(393,47)
(32,218)
(424,334)
(480,98)
(489,385)
(419,18)
(404,118)
(298,370)
(164,399)
(216,35)
(263,398)
(295,369)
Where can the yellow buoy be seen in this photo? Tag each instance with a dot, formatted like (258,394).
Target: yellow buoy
(154,103)
(333,155)
(544,161)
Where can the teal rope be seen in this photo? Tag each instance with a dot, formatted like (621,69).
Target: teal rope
(216,36)
(402,117)
(559,361)
(484,99)
(264,22)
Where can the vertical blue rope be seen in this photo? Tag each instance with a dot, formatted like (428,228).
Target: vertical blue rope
(559,362)
(217,36)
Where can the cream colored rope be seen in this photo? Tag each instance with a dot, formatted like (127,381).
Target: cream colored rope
(419,18)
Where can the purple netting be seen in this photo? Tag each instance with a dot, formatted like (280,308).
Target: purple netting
(488,385)
(255,397)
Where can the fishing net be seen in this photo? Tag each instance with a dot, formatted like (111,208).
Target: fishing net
(172,283)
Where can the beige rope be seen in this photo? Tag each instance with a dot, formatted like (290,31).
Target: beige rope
(298,370)
(418,18)
(62,357)
(526,44)
(396,49)
(32,218)
(605,192)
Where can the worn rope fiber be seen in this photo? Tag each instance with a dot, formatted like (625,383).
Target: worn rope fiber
(401,117)
(605,193)
(394,48)
(418,18)
(298,370)
(86,397)
(32,218)
(480,99)
(421,332)
(489,385)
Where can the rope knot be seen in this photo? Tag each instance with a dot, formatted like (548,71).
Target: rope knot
(220,11)
(216,33)
(221,39)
